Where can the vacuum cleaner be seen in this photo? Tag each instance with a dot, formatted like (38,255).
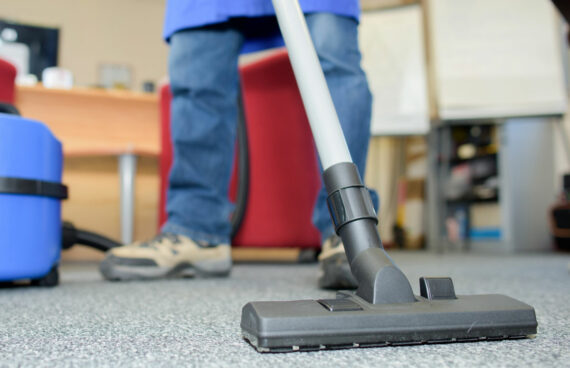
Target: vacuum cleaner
(383,310)
(32,234)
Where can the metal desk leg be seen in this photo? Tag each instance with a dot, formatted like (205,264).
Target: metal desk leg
(127,173)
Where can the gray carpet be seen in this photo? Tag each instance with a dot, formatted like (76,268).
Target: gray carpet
(89,322)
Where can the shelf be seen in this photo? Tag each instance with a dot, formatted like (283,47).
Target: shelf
(457,161)
(473,200)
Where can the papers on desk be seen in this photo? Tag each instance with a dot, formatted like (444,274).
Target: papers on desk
(496,58)
(393,57)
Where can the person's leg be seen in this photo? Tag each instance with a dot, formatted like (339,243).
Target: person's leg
(336,42)
(204,82)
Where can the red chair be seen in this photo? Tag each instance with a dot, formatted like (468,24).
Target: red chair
(165,159)
(7,82)
(284,177)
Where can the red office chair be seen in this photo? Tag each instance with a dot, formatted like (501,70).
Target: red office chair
(7,82)
(283,173)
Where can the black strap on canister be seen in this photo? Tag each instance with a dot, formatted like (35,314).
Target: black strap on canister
(33,187)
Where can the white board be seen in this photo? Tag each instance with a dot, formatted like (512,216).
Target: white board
(393,57)
(495,58)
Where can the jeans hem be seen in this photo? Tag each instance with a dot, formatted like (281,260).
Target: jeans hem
(195,235)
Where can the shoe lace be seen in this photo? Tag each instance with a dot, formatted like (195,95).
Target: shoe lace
(158,240)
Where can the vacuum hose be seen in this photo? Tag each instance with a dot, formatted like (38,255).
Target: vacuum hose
(243,170)
(70,236)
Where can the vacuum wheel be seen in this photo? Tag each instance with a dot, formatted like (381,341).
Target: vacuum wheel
(49,280)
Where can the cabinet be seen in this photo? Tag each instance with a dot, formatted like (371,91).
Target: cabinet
(490,184)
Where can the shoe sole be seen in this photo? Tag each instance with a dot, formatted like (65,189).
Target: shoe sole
(336,274)
(113,271)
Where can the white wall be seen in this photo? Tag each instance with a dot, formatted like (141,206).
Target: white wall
(100,31)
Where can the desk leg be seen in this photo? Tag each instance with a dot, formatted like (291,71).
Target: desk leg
(127,172)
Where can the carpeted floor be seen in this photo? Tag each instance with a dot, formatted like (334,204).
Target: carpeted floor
(176,323)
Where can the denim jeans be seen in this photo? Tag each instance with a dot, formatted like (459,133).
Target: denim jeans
(203,74)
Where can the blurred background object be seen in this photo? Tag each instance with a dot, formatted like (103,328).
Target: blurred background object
(30,48)
(54,77)
(81,36)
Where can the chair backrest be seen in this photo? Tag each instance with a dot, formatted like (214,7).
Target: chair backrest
(284,177)
(165,159)
(7,82)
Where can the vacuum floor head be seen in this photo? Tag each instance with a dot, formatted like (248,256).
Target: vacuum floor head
(384,310)
(437,316)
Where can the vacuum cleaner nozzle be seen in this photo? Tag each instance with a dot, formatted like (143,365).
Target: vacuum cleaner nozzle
(383,311)
(349,321)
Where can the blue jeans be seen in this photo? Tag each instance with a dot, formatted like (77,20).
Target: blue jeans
(204,81)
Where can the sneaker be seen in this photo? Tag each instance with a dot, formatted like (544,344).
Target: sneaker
(166,255)
(334,268)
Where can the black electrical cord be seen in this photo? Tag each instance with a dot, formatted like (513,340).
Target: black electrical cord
(243,170)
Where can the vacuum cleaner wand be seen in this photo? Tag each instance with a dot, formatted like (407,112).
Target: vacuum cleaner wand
(349,201)
(384,310)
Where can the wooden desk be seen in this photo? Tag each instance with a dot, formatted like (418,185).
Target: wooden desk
(93,121)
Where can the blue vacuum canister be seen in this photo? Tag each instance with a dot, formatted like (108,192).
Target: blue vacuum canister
(32,234)
(30,195)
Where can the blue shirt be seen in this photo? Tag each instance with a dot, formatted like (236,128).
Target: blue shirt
(181,14)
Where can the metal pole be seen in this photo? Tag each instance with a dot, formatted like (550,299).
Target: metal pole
(317,100)
(564,137)
(127,172)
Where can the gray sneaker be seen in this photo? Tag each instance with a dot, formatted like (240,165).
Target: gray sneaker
(166,255)
(334,268)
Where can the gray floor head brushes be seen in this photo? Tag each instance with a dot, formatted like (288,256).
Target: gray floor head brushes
(383,311)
